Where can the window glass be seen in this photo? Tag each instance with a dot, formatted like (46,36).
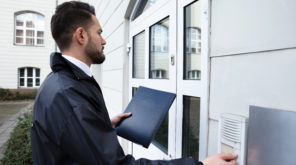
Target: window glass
(40,34)
(37,82)
(30,33)
(191,122)
(159,50)
(37,72)
(29,29)
(149,3)
(143,6)
(22,72)
(22,82)
(192,44)
(139,55)
(19,40)
(19,33)
(30,82)
(29,72)
(161,137)
(29,77)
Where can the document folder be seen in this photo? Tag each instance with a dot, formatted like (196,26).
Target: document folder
(149,108)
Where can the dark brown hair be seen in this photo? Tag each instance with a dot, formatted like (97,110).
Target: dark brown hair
(67,18)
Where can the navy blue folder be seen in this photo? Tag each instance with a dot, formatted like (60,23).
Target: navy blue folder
(149,108)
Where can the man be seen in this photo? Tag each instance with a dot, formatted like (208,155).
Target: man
(71,124)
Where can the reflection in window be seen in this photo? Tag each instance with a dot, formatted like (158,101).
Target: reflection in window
(29,77)
(139,55)
(159,50)
(192,44)
(29,29)
(161,138)
(191,120)
(143,6)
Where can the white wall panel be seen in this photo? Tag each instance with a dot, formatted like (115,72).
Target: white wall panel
(115,41)
(113,101)
(113,79)
(240,26)
(213,137)
(263,79)
(114,59)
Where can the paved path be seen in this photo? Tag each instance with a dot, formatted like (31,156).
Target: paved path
(7,127)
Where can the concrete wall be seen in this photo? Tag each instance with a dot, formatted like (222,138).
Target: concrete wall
(13,56)
(253,48)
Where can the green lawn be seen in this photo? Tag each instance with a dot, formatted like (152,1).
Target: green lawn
(9,109)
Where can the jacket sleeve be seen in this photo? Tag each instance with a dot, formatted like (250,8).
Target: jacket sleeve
(89,138)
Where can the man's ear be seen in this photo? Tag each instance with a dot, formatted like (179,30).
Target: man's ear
(80,35)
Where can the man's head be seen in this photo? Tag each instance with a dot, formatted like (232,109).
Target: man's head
(75,27)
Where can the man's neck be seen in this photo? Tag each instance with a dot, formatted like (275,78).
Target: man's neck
(79,56)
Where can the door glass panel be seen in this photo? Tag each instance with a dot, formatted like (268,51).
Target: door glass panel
(139,55)
(161,137)
(143,6)
(159,50)
(192,44)
(191,120)
(149,3)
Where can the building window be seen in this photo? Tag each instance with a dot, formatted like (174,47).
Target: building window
(29,77)
(29,29)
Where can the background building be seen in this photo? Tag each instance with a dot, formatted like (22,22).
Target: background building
(25,43)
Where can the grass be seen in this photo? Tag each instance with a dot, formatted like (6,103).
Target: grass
(18,149)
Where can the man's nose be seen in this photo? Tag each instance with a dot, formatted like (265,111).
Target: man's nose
(103,41)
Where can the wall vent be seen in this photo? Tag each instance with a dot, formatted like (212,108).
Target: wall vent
(232,136)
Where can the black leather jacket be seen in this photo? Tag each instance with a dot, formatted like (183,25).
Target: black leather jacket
(71,124)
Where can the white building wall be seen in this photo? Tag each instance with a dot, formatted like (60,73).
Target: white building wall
(12,56)
(112,75)
(253,49)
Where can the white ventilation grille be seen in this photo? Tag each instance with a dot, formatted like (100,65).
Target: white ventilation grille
(232,135)
(231,130)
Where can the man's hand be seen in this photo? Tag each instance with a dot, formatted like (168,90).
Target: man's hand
(118,118)
(221,159)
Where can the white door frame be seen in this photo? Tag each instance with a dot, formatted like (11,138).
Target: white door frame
(181,87)
(158,12)
(197,88)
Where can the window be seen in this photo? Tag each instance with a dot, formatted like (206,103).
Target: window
(191,122)
(29,29)
(139,55)
(192,44)
(29,77)
(159,54)
(143,5)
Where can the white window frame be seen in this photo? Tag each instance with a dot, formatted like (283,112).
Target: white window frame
(35,29)
(25,77)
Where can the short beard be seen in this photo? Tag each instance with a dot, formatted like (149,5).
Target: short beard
(92,52)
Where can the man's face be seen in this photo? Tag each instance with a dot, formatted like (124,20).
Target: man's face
(95,45)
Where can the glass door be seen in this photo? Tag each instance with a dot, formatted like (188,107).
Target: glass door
(192,79)
(153,36)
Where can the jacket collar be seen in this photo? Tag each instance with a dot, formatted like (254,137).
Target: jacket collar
(57,63)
